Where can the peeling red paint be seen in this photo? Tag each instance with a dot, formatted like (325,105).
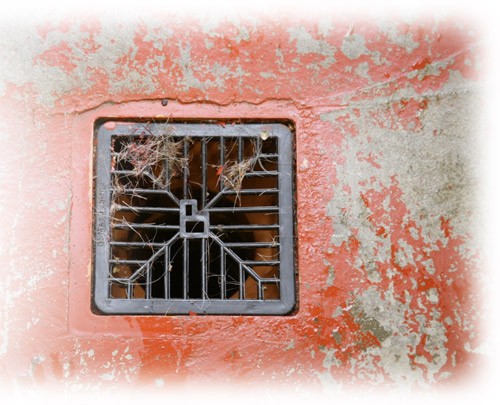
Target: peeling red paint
(421,64)
(58,56)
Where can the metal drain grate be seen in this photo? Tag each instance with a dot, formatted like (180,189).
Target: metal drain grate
(193,217)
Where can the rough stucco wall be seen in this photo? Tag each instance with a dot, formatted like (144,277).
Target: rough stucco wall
(386,137)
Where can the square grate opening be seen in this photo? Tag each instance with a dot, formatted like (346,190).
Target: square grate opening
(193,218)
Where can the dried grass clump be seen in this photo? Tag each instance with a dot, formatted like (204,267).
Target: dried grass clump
(148,155)
(234,173)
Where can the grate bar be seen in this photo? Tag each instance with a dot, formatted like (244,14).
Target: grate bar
(126,172)
(262,173)
(185,269)
(270,280)
(222,272)
(244,209)
(166,271)
(238,193)
(244,227)
(126,261)
(261,263)
(222,162)
(137,244)
(148,281)
(204,261)
(268,156)
(252,245)
(240,149)
(242,285)
(129,208)
(185,170)
(146,191)
(203,172)
(134,225)
(258,191)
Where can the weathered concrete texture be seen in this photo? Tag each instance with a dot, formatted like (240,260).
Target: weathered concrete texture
(386,170)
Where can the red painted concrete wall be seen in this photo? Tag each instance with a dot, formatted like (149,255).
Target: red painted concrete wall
(388,260)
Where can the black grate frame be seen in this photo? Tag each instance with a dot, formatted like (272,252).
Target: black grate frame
(193,218)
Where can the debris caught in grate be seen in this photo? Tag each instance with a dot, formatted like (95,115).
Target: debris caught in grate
(193,217)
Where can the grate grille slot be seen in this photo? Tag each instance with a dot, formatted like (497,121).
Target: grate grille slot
(193,218)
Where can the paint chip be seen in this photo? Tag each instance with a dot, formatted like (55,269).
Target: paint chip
(433,295)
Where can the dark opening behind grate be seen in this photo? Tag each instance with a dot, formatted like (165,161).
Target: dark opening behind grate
(194,218)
